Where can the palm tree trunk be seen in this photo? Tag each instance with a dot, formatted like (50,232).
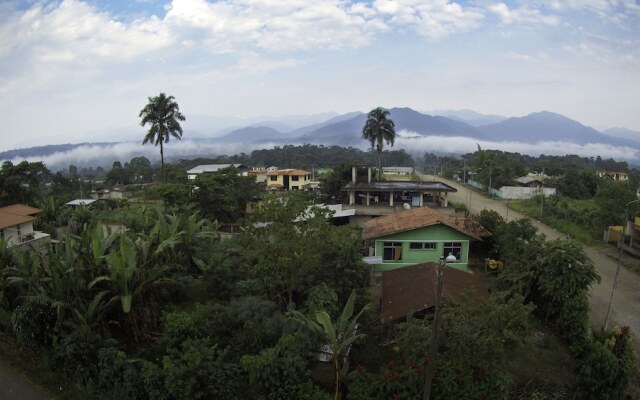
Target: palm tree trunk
(162,163)
(379,163)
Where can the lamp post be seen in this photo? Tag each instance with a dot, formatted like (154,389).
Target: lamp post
(440,266)
(615,278)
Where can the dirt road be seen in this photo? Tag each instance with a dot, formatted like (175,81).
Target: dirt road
(626,302)
(14,386)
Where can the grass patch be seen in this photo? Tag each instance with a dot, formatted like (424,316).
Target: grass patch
(576,230)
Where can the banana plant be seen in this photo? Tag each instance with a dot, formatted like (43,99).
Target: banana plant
(339,335)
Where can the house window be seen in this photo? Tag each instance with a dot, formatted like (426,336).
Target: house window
(454,248)
(295,178)
(391,251)
(274,178)
(431,246)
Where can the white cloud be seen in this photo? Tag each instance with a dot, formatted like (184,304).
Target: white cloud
(433,19)
(522,15)
(461,145)
(105,155)
(520,57)
(275,25)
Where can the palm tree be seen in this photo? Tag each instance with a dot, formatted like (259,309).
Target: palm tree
(379,128)
(163,114)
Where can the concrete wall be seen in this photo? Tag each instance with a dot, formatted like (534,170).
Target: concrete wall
(520,192)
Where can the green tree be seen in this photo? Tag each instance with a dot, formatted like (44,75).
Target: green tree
(338,335)
(139,170)
(223,195)
(611,199)
(607,365)
(378,129)
(162,113)
(22,183)
(331,184)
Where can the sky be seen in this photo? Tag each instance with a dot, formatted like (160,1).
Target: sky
(80,70)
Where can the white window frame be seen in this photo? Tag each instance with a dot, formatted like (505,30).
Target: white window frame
(423,246)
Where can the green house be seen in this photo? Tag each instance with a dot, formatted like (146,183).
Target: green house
(421,235)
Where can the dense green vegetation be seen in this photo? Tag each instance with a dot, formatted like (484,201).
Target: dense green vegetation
(555,277)
(167,309)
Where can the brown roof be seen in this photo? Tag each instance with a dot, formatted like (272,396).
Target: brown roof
(288,172)
(20,209)
(416,218)
(413,288)
(7,219)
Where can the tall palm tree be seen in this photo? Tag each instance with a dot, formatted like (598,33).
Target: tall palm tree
(163,114)
(379,128)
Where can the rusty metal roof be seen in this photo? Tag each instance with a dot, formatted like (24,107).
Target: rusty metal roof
(419,218)
(413,288)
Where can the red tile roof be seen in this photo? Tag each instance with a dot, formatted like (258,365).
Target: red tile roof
(419,218)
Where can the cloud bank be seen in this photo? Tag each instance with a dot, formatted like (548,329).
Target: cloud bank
(417,145)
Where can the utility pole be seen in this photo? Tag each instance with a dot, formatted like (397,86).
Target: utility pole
(615,278)
(541,193)
(440,266)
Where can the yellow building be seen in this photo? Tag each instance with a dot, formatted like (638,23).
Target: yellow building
(288,179)
(617,176)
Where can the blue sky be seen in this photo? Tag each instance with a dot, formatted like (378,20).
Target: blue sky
(73,70)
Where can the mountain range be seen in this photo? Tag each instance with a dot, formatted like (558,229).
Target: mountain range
(345,130)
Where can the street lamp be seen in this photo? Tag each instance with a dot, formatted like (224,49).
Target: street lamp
(615,278)
(440,266)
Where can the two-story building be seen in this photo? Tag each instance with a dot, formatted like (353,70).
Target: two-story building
(363,190)
(617,176)
(16,226)
(288,179)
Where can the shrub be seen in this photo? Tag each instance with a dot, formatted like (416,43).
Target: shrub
(33,324)
(606,365)
(280,367)
(199,371)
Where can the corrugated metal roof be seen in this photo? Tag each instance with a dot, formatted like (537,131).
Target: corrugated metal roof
(211,168)
(419,218)
(413,288)
(78,202)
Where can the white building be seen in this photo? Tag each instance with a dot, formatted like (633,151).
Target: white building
(16,226)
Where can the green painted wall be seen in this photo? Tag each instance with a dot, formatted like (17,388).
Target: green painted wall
(439,234)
